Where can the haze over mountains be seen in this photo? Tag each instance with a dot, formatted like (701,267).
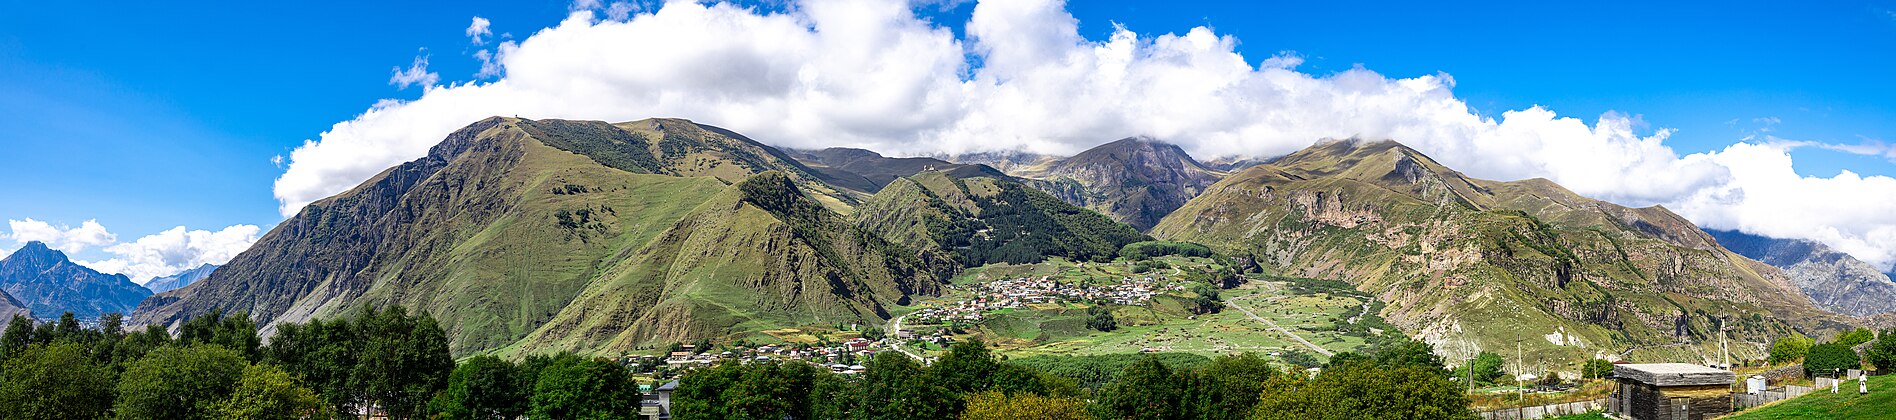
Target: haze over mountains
(532,235)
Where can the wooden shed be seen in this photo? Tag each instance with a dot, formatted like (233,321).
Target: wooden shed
(1671,391)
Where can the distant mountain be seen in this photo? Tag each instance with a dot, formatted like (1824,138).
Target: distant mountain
(581,235)
(1006,161)
(1134,180)
(1235,163)
(864,170)
(983,217)
(10,307)
(175,281)
(51,285)
(1467,263)
(1835,280)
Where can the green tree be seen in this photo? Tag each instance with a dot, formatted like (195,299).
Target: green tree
(1829,358)
(59,381)
(1231,384)
(965,368)
(1364,390)
(322,354)
(1883,353)
(896,388)
(235,332)
(266,392)
(578,388)
(995,405)
(1146,390)
(1597,368)
(404,360)
(1099,317)
(1790,348)
(177,382)
(1206,300)
(1855,337)
(18,336)
(1485,368)
(483,387)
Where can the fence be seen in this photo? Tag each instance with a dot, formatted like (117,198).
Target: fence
(1742,401)
(1550,410)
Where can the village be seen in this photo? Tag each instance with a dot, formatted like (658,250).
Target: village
(1020,292)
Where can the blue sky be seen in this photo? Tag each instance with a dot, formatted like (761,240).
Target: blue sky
(148,116)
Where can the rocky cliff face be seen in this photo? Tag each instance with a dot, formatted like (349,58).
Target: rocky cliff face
(1836,281)
(9,307)
(1136,181)
(1467,263)
(46,282)
(511,224)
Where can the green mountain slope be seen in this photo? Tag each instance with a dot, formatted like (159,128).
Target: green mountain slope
(981,216)
(1466,263)
(495,232)
(760,255)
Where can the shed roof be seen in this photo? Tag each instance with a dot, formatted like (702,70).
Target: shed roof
(1674,374)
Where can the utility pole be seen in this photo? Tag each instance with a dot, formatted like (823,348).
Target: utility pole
(1722,349)
(1470,365)
(1520,390)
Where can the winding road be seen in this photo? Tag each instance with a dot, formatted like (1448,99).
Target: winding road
(1234,303)
(895,330)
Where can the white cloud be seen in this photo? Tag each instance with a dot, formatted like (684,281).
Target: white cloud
(175,250)
(70,240)
(478,29)
(867,73)
(416,74)
(161,254)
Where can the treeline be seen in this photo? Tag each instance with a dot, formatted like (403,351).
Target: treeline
(1400,381)
(1837,355)
(385,362)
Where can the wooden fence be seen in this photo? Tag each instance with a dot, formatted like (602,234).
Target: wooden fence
(1740,401)
(1544,411)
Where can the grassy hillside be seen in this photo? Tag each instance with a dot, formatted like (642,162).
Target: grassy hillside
(1470,264)
(1844,405)
(989,218)
(761,255)
(504,224)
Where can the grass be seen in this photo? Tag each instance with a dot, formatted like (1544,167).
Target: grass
(1164,324)
(1844,405)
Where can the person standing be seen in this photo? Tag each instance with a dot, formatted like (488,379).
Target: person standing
(1863,384)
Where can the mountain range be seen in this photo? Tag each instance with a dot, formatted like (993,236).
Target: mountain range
(181,279)
(1835,280)
(44,281)
(533,235)
(1473,264)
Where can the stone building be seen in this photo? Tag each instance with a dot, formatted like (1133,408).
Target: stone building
(1671,391)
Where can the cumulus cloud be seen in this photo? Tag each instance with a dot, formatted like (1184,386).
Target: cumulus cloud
(869,73)
(416,74)
(161,254)
(175,250)
(70,240)
(478,29)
